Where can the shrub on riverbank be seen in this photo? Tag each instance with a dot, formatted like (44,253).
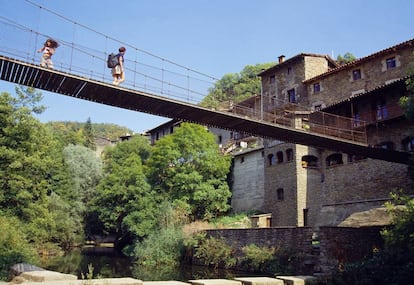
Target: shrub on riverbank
(14,247)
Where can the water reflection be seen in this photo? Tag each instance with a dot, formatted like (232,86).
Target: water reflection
(109,263)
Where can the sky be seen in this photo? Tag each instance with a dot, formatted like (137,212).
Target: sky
(214,37)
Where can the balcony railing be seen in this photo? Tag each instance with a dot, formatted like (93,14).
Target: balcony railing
(317,122)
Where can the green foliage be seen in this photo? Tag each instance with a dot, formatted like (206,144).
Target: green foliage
(395,263)
(85,169)
(215,252)
(124,203)
(80,133)
(257,258)
(162,247)
(14,247)
(89,135)
(346,58)
(399,240)
(235,87)
(34,180)
(234,221)
(187,168)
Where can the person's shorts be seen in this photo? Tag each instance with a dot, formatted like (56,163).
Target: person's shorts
(116,70)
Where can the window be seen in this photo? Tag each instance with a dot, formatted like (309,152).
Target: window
(171,129)
(316,87)
(292,96)
(305,217)
(381,112)
(242,159)
(356,74)
(272,79)
(289,154)
(334,159)
(357,119)
(391,63)
(408,144)
(309,161)
(280,194)
(289,70)
(220,139)
(279,155)
(271,159)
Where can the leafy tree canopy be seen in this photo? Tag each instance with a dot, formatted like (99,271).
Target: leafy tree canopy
(125,204)
(235,87)
(346,58)
(187,168)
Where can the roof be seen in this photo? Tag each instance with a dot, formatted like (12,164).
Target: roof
(297,57)
(362,59)
(169,123)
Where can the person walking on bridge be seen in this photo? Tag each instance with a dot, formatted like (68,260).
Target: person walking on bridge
(118,72)
(48,50)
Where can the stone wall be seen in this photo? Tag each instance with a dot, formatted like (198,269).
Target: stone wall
(341,85)
(248,181)
(341,245)
(337,245)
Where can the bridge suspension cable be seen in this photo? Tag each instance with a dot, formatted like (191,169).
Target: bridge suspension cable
(144,70)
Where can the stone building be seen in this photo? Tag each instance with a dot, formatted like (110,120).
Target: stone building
(297,185)
(306,186)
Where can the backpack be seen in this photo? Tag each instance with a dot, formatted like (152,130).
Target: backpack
(112,61)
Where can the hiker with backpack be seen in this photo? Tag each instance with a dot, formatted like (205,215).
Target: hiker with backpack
(48,50)
(116,62)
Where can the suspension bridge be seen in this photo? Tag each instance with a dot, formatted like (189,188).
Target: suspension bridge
(171,91)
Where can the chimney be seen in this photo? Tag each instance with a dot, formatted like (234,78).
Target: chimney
(281,58)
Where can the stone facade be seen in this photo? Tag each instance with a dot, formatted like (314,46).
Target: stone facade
(248,180)
(300,185)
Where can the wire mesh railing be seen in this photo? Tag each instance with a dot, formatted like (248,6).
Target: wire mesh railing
(148,72)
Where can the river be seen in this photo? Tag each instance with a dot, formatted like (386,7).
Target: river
(108,263)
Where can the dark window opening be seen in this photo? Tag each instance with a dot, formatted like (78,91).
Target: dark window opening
(280,194)
(305,217)
(220,139)
(279,155)
(334,159)
(271,159)
(242,159)
(407,144)
(380,109)
(309,161)
(316,87)
(272,79)
(292,96)
(356,74)
(391,63)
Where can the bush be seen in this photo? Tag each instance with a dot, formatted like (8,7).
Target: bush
(257,258)
(215,252)
(163,247)
(14,247)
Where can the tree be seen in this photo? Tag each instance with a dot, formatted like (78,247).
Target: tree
(235,87)
(346,58)
(125,204)
(89,135)
(187,169)
(30,166)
